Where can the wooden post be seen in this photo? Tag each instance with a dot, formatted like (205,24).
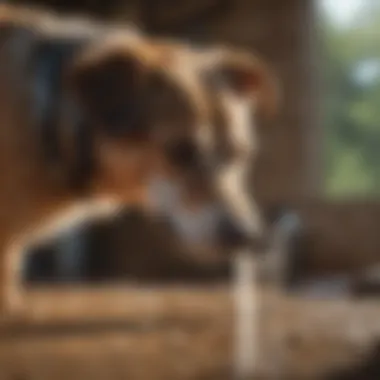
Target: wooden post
(246,306)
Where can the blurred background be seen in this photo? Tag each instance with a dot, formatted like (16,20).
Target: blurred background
(319,163)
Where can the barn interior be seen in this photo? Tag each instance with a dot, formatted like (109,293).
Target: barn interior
(147,311)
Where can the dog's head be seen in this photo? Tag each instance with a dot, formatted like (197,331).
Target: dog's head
(176,131)
(210,198)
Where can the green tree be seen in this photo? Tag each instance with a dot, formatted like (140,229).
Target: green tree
(352,104)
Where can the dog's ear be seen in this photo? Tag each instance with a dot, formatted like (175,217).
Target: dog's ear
(244,75)
(111,88)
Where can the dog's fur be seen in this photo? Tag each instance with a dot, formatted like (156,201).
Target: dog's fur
(120,119)
(237,86)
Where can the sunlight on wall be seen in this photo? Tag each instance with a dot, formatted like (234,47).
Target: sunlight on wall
(341,12)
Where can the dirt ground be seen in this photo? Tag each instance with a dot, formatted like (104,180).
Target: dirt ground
(179,333)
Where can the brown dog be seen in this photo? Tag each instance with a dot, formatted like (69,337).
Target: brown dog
(94,118)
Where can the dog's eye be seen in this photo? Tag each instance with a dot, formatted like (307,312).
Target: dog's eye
(184,154)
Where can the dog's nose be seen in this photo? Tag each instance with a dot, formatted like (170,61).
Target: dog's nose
(232,235)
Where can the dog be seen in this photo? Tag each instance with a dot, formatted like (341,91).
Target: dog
(94,118)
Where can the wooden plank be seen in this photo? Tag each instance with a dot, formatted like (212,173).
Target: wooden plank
(177,333)
(65,304)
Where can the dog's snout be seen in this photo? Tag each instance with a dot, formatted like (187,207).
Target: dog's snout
(232,235)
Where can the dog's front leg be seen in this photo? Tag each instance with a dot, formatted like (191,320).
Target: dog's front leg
(12,299)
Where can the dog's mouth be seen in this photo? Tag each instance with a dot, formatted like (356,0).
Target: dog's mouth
(210,238)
